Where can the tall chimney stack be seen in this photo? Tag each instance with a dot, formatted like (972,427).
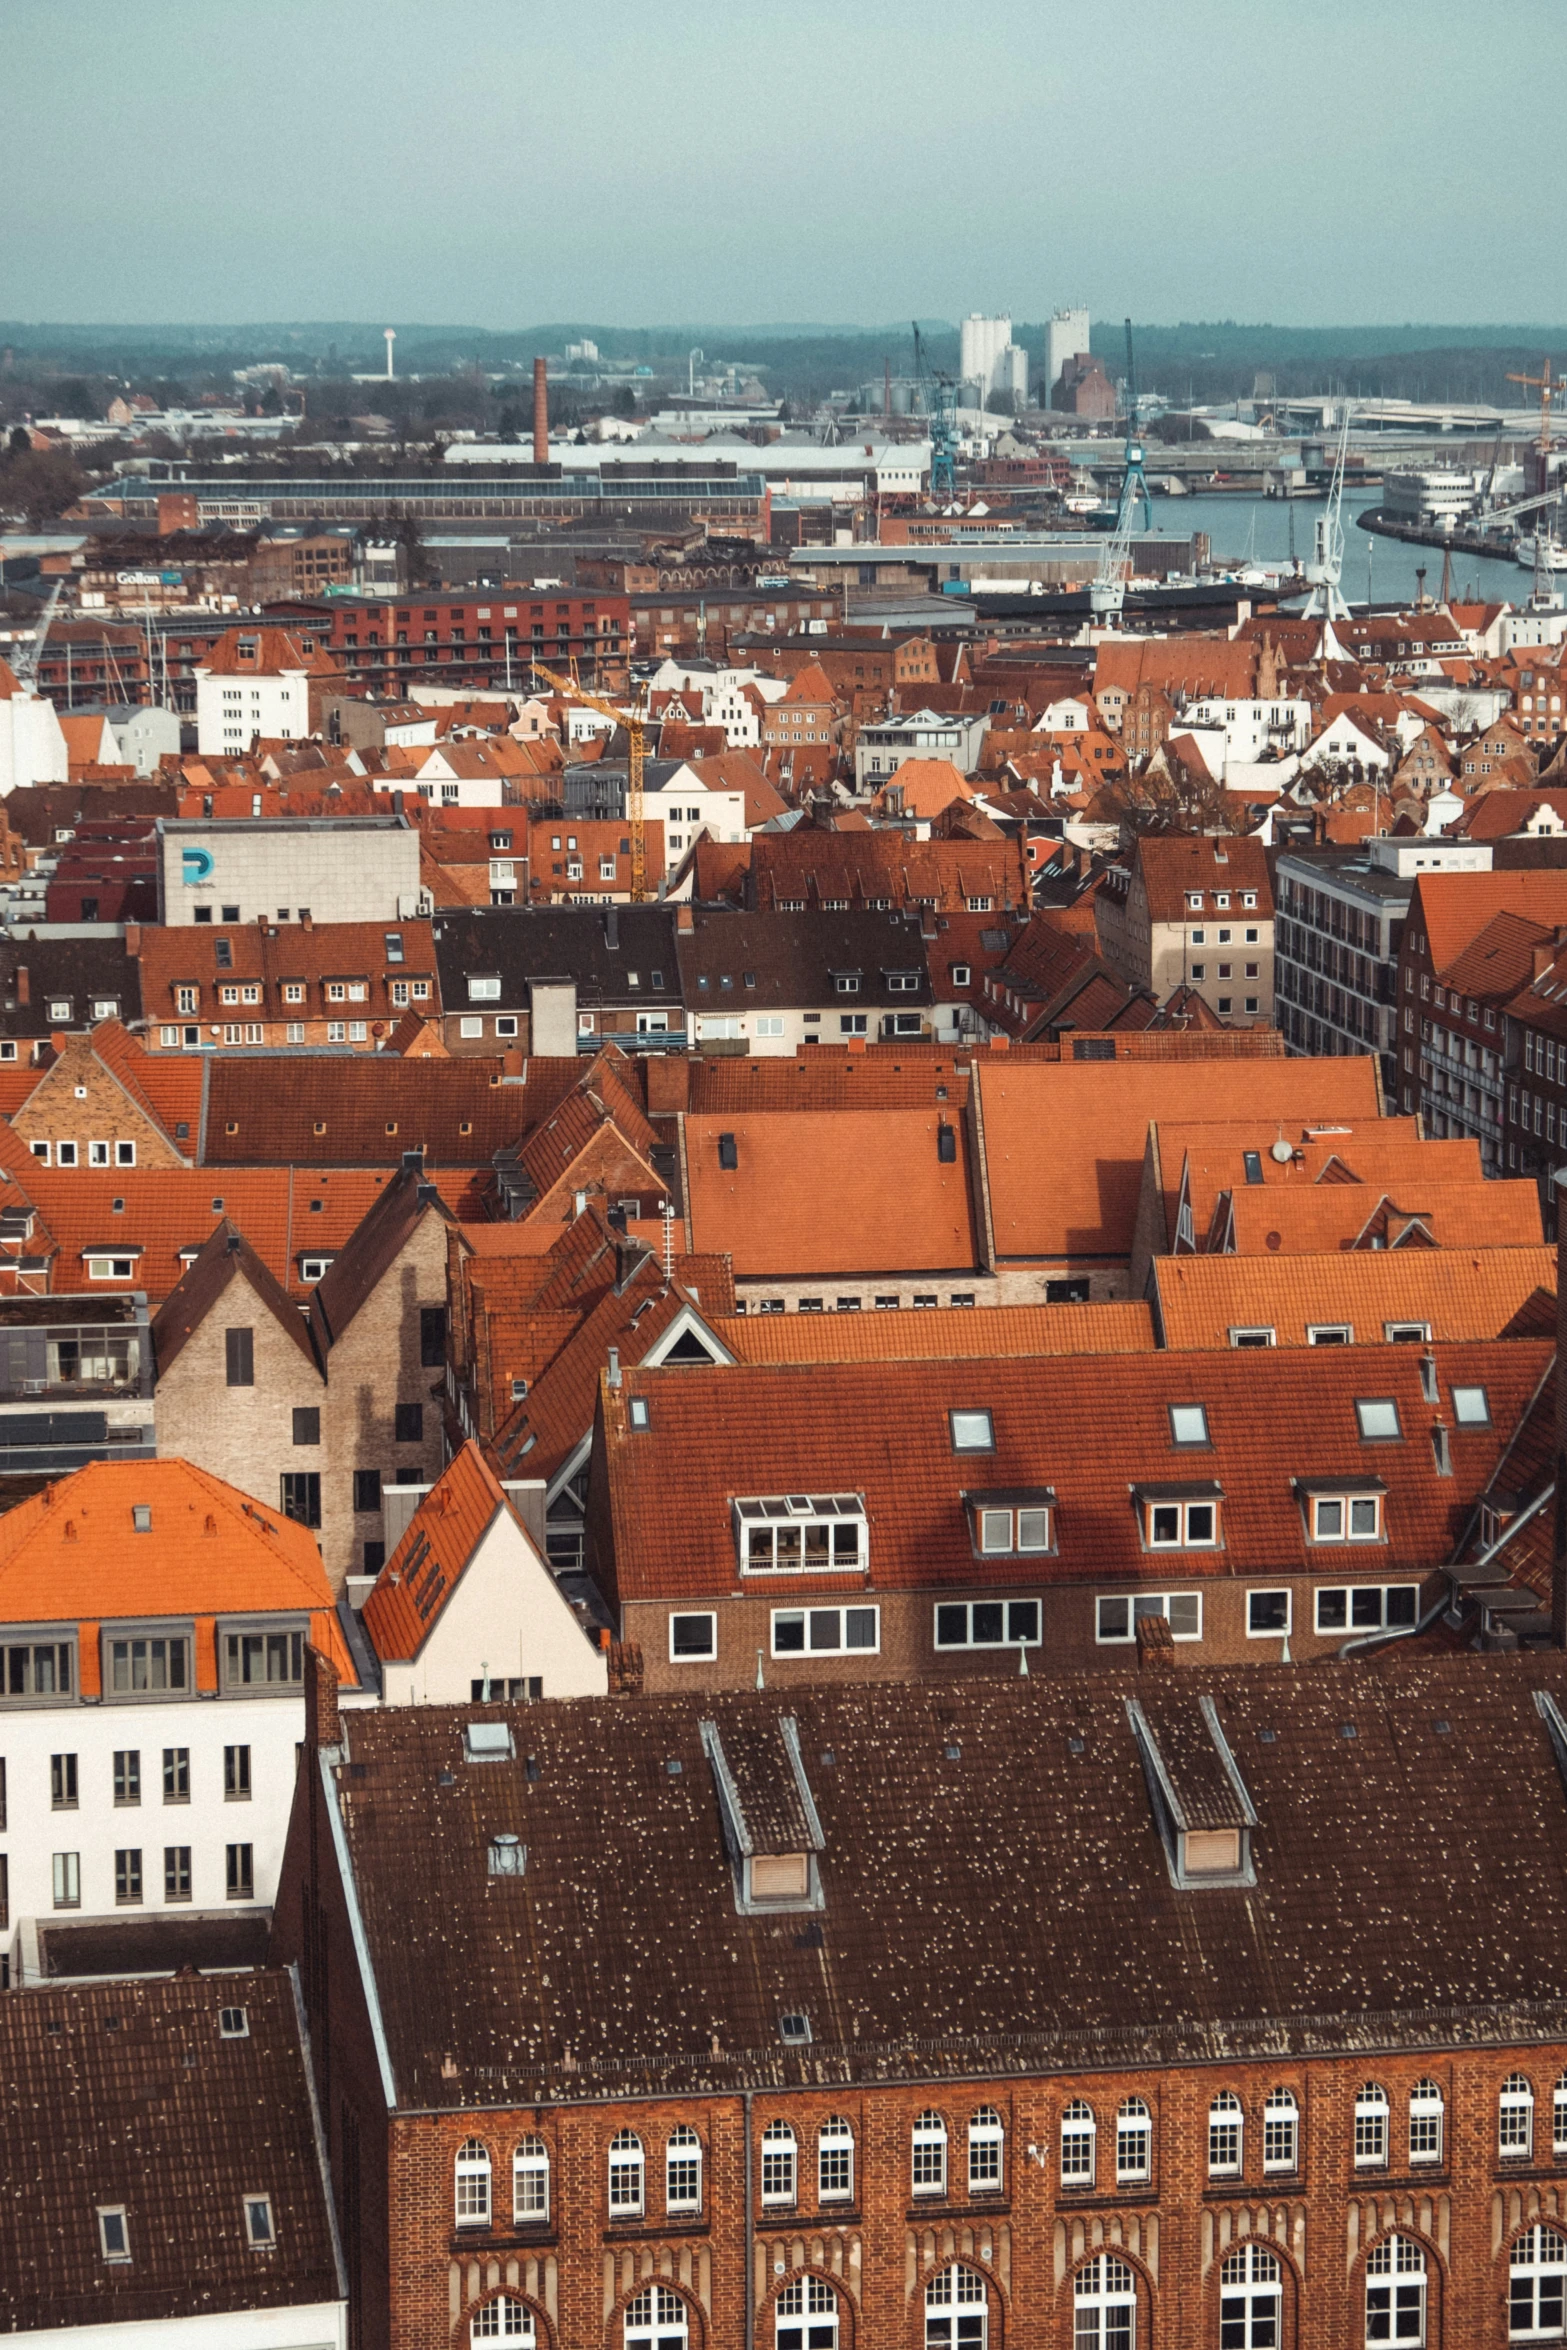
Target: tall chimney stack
(541,413)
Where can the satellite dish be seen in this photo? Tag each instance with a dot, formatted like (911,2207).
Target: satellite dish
(1282,1152)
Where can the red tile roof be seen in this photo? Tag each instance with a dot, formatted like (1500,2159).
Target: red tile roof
(831,1192)
(1460,1293)
(417,1582)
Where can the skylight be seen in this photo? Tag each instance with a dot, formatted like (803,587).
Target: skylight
(1188,1423)
(1378,1417)
(973,1432)
(1471,1407)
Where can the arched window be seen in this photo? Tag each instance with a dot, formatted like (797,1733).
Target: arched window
(1281,2131)
(985,2134)
(656,2319)
(778,2163)
(1106,2305)
(1539,2275)
(1225,2124)
(1133,2141)
(473,2184)
(1559,2116)
(957,2310)
(1396,2292)
(1425,2122)
(503,2320)
(835,2160)
(1371,2126)
(1249,2300)
(1077,2145)
(1515,2118)
(808,2315)
(627,2188)
(683,2171)
(930,2155)
(530,2181)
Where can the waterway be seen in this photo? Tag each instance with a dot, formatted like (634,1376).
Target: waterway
(1376,570)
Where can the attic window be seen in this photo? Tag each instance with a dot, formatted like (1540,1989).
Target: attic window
(794,2029)
(141,1517)
(1471,1407)
(946,1144)
(258,2223)
(801,1534)
(394,946)
(1180,1517)
(1252,1161)
(484,1742)
(972,1431)
(1202,1809)
(639,1414)
(233,2023)
(114,2240)
(1011,1524)
(1378,1419)
(1188,1424)
(728,1152)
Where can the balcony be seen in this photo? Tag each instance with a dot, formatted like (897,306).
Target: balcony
(43,1355)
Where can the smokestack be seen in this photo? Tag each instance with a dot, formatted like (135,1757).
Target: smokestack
(391,337)
(541,413)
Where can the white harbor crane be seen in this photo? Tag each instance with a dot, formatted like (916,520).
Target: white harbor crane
(1107,589)
(1326,568)
(24,664)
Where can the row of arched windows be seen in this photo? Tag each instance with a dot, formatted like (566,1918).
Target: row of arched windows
(806,2312)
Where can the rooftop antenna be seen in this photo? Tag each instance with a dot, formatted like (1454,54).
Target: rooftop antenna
(391,337)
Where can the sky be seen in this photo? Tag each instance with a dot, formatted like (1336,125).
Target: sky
(501,163)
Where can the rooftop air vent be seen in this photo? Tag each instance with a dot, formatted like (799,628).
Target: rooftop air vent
(508,1856)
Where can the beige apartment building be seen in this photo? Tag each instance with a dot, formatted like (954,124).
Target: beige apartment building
(1193,910)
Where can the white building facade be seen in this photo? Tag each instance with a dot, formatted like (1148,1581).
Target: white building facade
(335,869)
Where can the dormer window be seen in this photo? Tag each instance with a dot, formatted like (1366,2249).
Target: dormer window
(802,1534)
(1180,1517)
(1201,1805)
(771,1829)
(1017,1523)
(1194,901)
(1338,1512)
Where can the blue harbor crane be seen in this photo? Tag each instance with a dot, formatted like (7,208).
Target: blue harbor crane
(1134,482)
(940,395)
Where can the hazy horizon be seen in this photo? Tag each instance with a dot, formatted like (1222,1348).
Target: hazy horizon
(245,161)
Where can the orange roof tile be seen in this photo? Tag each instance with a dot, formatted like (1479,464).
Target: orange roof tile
(1451,909)
(831,1191)
(1065,1139)
(940,1334)
(418,1580)
(1502,1214)
(1460,1293)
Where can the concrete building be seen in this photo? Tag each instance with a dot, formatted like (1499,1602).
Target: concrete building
(32,740)
(1337,937)
(154,1625)
(1066,337)
(277,869)
(925,734)
(260,681)
(988,359)
(1193,910)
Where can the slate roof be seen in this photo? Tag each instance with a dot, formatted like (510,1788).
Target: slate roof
(744,962)
(524,943)
(1091,1428)
(128,2093)
(78,970)
(1398,1873)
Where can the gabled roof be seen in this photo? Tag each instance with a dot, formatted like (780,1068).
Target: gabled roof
(355,1274)
(1459,1293)
(417,1582)
(1500,1214)
(366,1110)
(1451,909)
(130,2093)
(226,1257)
(940,1333)
(1091,1429)
(278,652)
(1174,863)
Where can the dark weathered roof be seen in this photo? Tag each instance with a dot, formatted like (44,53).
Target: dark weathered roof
(368,1110)
(733,962)
(79,970)
(996,1891)
(524,943)
(128,2093)
(224,1257)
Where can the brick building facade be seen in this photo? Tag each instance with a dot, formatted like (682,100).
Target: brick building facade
(1215,2108)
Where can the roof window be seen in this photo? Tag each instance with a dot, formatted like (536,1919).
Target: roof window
(946,1144)
(1471,1407)
(1188,1424)
(972,1431)
(728,1152)
(394,946)
(639,1413)
(1252,1161)
(508,1856)
(1378,1419)
(484,1742)
(794,2028)
(772,1833)
(141,1517)
(233,2023)
(114,2236)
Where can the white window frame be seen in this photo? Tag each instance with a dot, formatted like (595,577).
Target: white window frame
(1184,1538)
(987,2137)
(1373,2127)
(1538,2253)
(472,2185)
(813,1619)
(1271,1631)
(1281,2132)
(683,2152)
(928,2155)
(691,1656)
(1515,2119)
(1249,1334)
(835,2161)
(1144,1603)
(1104,2292)
(1396,2257)
(1428,2107)
(999,1518)
(1226,2122)
(1008,1640)
(1251,2291)
(530,2182)
(114,2234)
(1079,2146)
(780,2166)
(1319,1506)
(1330,1333)
(627,2176)
(755,1514)
(1133,2142)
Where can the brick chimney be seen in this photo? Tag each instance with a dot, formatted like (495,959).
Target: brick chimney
(685,919)
(1155,1644)
(24,985)
(323,1722)
(668,1084)
(541,413)
(133,938)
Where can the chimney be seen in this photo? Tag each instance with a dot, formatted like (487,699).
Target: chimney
(668,1084)
(305,922)
(541,413)
(1155,1644)
(24,985)
(685,920)
(1541,957)
(614,1366)
(133,938)
(323,1723)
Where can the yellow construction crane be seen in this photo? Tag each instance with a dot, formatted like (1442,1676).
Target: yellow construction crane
(634,722)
